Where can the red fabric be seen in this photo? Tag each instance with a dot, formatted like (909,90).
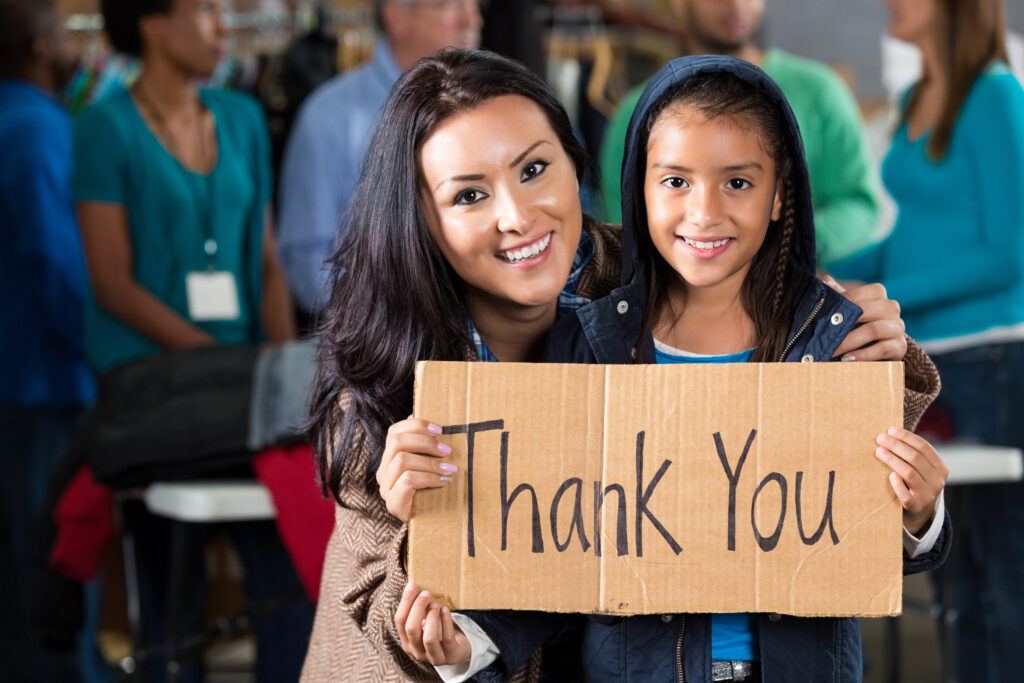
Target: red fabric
(85,524)
(305,518)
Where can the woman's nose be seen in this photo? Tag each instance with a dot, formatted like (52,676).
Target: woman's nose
(513,213)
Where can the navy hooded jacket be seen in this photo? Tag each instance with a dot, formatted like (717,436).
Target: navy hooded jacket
(676,647)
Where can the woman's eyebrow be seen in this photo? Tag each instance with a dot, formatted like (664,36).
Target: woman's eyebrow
(515,162)
(459,179)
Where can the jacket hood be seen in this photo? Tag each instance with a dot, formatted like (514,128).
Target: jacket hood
(674,73)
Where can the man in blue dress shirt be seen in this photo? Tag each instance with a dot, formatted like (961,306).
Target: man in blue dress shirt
(325,150)
(45,382)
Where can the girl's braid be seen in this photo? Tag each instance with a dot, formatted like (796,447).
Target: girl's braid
(785,245)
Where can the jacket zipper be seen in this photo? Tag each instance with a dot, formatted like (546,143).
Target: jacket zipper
(821,302)
(679,648)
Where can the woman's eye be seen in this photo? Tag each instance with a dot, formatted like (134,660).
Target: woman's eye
(675,182)
(534,169)
(738,184)
(469,197)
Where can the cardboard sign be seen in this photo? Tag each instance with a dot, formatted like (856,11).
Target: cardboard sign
(662,488)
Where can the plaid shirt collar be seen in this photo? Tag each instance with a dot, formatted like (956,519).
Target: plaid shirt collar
(568,300)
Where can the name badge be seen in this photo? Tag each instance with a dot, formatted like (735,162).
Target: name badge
(212,296)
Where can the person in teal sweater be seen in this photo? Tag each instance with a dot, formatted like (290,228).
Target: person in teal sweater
(844,182)
(955,263)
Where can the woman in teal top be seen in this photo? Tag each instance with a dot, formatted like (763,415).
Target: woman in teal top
(172,185)
(955,263)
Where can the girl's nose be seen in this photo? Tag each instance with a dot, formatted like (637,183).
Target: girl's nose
(705,209)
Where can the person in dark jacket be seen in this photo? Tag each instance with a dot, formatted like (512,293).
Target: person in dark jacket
(719,263)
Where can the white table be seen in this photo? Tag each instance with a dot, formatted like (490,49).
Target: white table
(981,464)
(210,501)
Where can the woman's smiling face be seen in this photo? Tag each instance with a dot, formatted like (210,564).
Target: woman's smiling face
(502,201)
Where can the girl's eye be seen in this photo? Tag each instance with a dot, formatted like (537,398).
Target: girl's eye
(738,184)
(534,169)
(675,182)
(469,197)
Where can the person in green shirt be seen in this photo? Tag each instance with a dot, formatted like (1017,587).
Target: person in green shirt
(844,183)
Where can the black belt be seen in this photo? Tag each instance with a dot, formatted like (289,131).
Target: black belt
(730,670)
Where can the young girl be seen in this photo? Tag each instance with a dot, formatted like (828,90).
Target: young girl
(719,263)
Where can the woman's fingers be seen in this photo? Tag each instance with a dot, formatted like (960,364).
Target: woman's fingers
(410,461)
(410,435)
(399,498)
(881,339)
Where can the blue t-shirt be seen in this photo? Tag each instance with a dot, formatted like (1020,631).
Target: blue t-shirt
(43,282)
(172,211)
(733,636)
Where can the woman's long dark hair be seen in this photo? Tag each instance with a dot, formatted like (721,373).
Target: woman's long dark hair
(394,299)
(715,94)
(968,37)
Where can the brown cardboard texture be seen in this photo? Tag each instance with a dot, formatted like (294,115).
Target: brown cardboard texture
(718,488)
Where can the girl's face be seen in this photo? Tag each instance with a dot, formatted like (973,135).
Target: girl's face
(911,20)
(192,35)
(502,201)
(710,191)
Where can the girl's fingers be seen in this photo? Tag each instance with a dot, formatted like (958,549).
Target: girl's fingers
(907,473)
(902,492)
(447,628)
(432,636)
(414,624)
(402,614)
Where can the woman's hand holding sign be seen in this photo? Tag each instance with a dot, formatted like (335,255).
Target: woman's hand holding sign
(412,460)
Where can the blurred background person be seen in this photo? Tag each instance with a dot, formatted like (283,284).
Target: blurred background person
(46,382)
(172,184)
(844,183)
(955,262)
(325,149)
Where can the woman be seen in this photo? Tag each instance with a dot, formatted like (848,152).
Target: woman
(172,186)
(954,261)
(466,242)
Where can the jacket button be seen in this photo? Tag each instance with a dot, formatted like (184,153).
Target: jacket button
(622,307)
(666,618)
(807,358)
(774,617)
(837,318)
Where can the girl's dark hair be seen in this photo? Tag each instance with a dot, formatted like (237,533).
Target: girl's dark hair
(394,299)
(716,94)
(121,21)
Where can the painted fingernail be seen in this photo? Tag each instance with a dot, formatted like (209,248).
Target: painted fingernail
(433,428)
(444,448)
(449,468)
(445,479)
(847,358)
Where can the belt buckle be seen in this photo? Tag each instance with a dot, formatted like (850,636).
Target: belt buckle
(729,670)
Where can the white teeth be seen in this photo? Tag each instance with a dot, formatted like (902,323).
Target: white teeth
(516,255)
(705,245)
